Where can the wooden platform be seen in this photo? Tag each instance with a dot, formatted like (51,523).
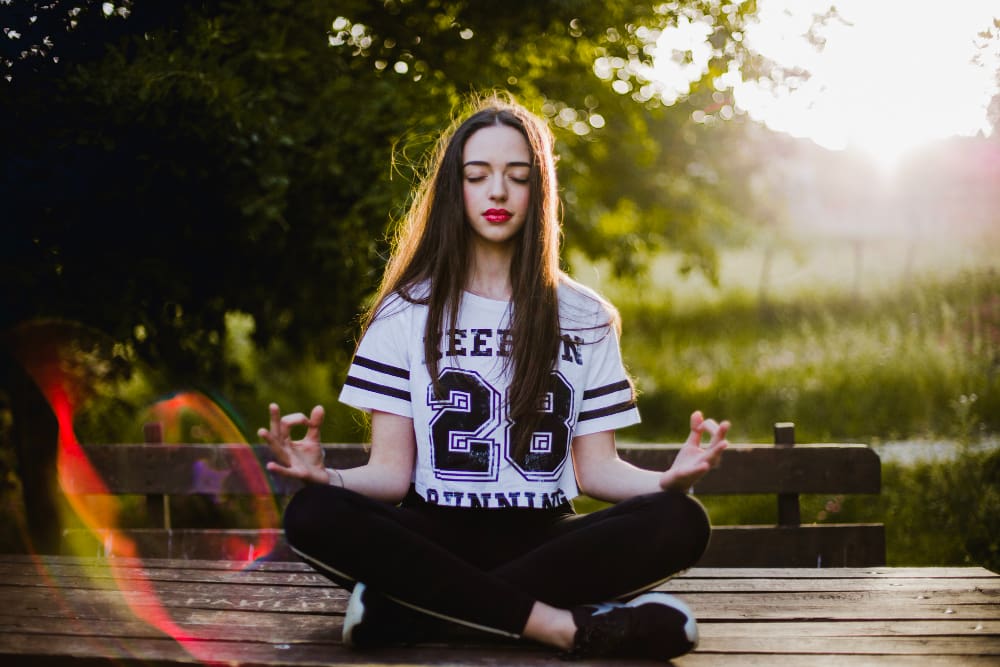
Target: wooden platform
(64,610)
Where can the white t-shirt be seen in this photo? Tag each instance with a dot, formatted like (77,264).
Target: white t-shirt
(464,443)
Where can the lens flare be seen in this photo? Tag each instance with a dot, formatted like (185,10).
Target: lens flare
(170,412)
(77,477)
(217,426)
(52,355)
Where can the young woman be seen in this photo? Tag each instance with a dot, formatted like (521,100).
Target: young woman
(495,384)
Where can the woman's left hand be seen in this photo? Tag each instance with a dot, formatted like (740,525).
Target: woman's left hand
(693,460)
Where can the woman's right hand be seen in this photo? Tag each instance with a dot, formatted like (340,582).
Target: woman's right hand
(299,459)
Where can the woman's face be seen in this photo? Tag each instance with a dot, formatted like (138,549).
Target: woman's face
(496,165)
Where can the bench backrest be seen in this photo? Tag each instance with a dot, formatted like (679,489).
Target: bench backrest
(159,471)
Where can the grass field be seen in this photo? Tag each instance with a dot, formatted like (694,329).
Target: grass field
(899,342)
(859,352)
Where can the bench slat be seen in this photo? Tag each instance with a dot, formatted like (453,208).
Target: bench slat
(754,469)
(821,545)
(239,469)
(816,545)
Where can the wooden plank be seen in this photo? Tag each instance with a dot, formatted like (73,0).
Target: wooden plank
(817,545)
(239,625)
(796,629)
(888,586)
(44,571)
(76,577)
(811,608)
(42,562)
(881,572)
(231,592)
(719,638)
(981,582)
(66,650)
(765,643)
(716,638)
(707,659)
(238,468)
(185,590)
(183,469)
(101,601)
(755,469)
(298,573)
(796,607)
(65,576)
(232,625)
(252,626)
(166,651)
(234,544)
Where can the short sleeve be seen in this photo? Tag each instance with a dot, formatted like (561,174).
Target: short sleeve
(608,397)
(379,376)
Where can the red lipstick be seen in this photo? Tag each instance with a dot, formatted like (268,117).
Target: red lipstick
(497,215)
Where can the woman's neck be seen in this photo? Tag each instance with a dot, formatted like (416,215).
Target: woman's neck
(489,272)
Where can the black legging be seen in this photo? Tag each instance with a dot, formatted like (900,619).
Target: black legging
(485,568)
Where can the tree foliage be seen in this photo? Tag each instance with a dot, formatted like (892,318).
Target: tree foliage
(168,162)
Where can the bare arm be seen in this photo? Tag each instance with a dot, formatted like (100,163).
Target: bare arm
(385,477)
(603,475)
(389,470)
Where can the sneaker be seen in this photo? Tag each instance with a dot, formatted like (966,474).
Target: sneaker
(653,625)
(372,620)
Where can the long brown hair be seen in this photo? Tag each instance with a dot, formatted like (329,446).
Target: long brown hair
(434,228)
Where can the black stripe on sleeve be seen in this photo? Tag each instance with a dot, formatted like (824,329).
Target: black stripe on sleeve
(377,388)
(607,411)
(606,389)
(382,368)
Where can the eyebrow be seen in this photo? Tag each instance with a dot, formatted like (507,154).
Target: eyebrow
(483,163)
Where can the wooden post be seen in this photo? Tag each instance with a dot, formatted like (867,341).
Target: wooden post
(788,503)
(157,504)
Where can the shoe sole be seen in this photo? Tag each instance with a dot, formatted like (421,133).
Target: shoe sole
(690,626)
(353,614)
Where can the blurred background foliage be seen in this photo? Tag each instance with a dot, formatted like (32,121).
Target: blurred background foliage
(200,195)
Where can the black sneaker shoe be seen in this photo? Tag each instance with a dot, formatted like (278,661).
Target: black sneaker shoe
(372,620)
(653,625)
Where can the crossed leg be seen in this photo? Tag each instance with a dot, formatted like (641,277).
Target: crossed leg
(447,570)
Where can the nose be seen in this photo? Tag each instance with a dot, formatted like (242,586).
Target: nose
(498,189)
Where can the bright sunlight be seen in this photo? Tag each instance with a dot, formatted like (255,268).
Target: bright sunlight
(885,77)
(891,75)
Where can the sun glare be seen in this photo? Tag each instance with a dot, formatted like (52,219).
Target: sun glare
(891,76)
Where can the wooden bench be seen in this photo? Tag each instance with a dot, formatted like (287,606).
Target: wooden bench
(160,471)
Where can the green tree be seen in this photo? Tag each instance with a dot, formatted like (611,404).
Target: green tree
(166,163)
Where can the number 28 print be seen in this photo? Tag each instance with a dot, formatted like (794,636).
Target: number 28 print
(470,435)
